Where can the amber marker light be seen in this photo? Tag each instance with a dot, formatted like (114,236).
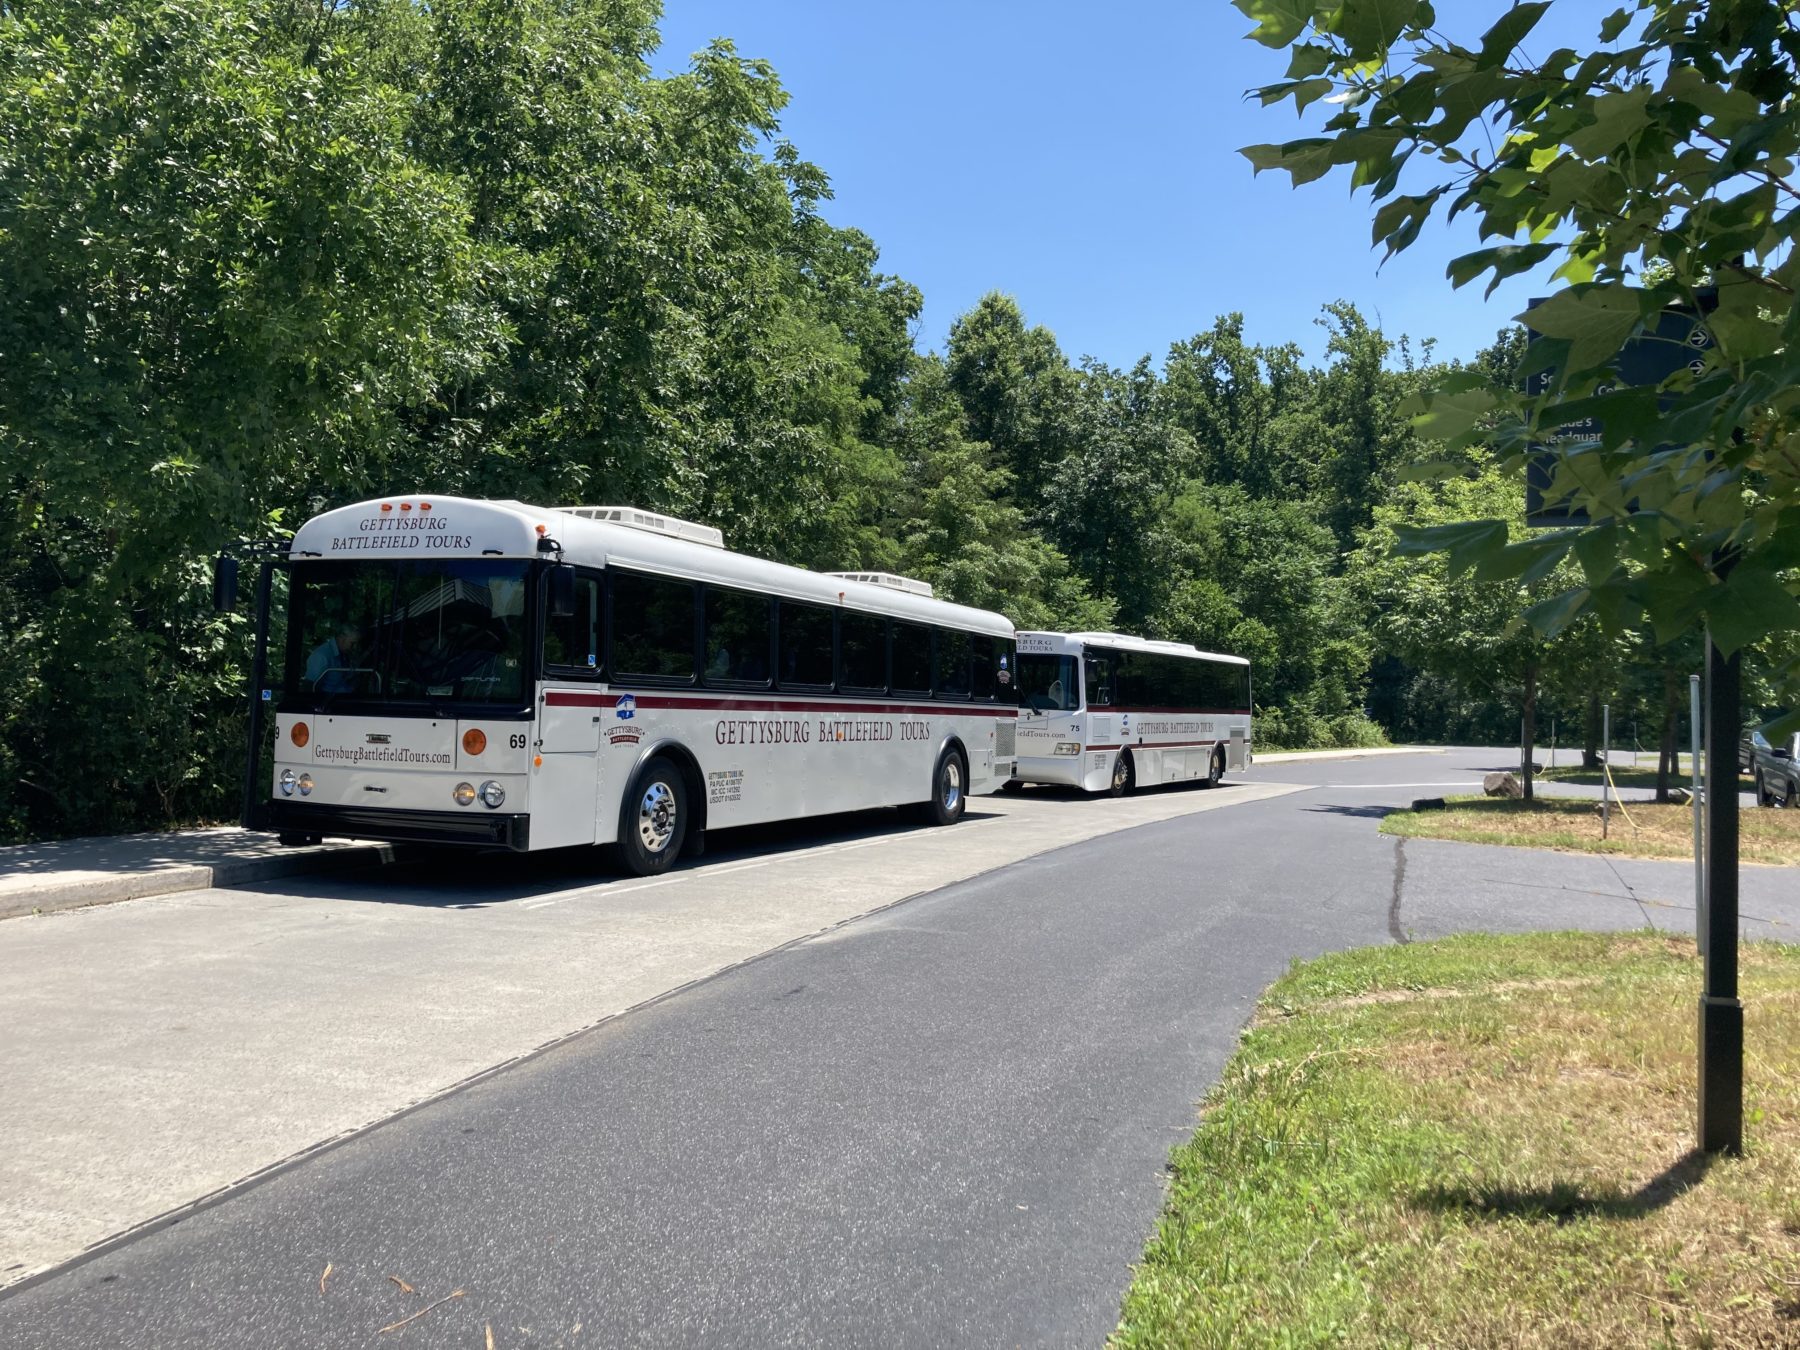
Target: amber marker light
(474,741)
(541,530)
(387,506)
(424,506)
(537,761)
(300,734)
(406,506)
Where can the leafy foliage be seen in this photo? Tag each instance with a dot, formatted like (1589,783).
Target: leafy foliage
(1658,169)
(258,259)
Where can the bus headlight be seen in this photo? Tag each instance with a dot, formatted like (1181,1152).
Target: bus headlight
(287,780)
(464,794)
(1068,747)
(492,794)
(306,785)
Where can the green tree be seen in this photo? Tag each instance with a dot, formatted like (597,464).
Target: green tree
(223,274)
(1455,623)
(1653,168)
(1018,392)
(958,528)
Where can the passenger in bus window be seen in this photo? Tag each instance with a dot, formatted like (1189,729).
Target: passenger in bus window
(331,667)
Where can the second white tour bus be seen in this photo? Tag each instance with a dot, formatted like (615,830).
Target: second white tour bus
(486,672)
(1105,712)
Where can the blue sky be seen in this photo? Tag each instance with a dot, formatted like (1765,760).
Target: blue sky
(1084,159)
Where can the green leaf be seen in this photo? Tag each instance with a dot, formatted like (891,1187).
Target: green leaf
(1398,222)
(1617,118)
(1504,261)
(1500,41)
(1448,415)
(1750,604)
(1614,24)
(1550,617)
(1370,26)
(1304,159)
(1278,22)
(1465,542)
(1595,319)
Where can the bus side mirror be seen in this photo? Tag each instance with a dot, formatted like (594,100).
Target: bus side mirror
(225,583)
(562,591)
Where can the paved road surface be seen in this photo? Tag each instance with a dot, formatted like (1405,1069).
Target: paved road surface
(944,1123)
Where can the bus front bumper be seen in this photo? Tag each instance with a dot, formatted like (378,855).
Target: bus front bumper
(491,829)
(1065,770)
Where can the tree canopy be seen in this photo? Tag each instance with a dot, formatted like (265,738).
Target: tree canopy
(1656,169)
(259,259)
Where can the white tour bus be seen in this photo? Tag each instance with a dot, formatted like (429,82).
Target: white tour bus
(1106,712)
(486,672)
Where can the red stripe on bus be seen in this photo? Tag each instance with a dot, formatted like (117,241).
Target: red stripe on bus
(558,698)
(1155,745)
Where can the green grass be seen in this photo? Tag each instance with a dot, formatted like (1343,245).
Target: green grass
(1639,830)
(1480,1142)
(1624,776)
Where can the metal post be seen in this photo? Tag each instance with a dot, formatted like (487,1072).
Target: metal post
(1699,836)
(1721,1029)
(1553,743)
(1605,770)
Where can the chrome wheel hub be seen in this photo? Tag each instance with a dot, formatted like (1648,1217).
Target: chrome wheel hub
(952,784)
(656,817)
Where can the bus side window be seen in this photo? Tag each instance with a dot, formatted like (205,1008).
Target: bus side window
(950,678)
(1098,672)
(652,627)
(984,681)
(573,643)
(862,653)
(738,633)
(805,646)
(912,659)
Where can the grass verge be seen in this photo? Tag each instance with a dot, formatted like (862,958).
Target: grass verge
(1484,1142)
(1624,776)
(1573,825)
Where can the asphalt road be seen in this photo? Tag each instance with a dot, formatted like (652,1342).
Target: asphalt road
(942,1124)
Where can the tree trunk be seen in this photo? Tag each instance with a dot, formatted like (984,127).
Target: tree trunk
(1668,761)
(1528,735)
(1590,734)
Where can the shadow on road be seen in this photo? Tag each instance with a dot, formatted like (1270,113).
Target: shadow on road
(1360,812)
(451,878)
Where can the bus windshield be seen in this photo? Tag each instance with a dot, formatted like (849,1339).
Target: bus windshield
(449,631)
(1047,683)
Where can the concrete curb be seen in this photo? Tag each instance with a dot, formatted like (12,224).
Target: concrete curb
(1297,756)
(83,892)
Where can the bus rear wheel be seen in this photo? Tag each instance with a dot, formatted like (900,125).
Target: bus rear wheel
(653,819)
(949,790)
(1215,771)
(1124,775)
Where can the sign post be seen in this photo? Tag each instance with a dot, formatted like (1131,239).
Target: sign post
(1721,1030)
(1676,338)
(1699,809)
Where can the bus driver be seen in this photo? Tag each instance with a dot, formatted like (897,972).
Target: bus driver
(331,667)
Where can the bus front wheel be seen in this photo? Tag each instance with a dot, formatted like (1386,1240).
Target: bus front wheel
(1216,770)
(653,820)
(1124,775)
(949,790)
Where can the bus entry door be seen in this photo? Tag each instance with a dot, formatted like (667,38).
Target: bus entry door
(565,786)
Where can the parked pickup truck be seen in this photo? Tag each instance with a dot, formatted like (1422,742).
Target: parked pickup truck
(1776,769)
